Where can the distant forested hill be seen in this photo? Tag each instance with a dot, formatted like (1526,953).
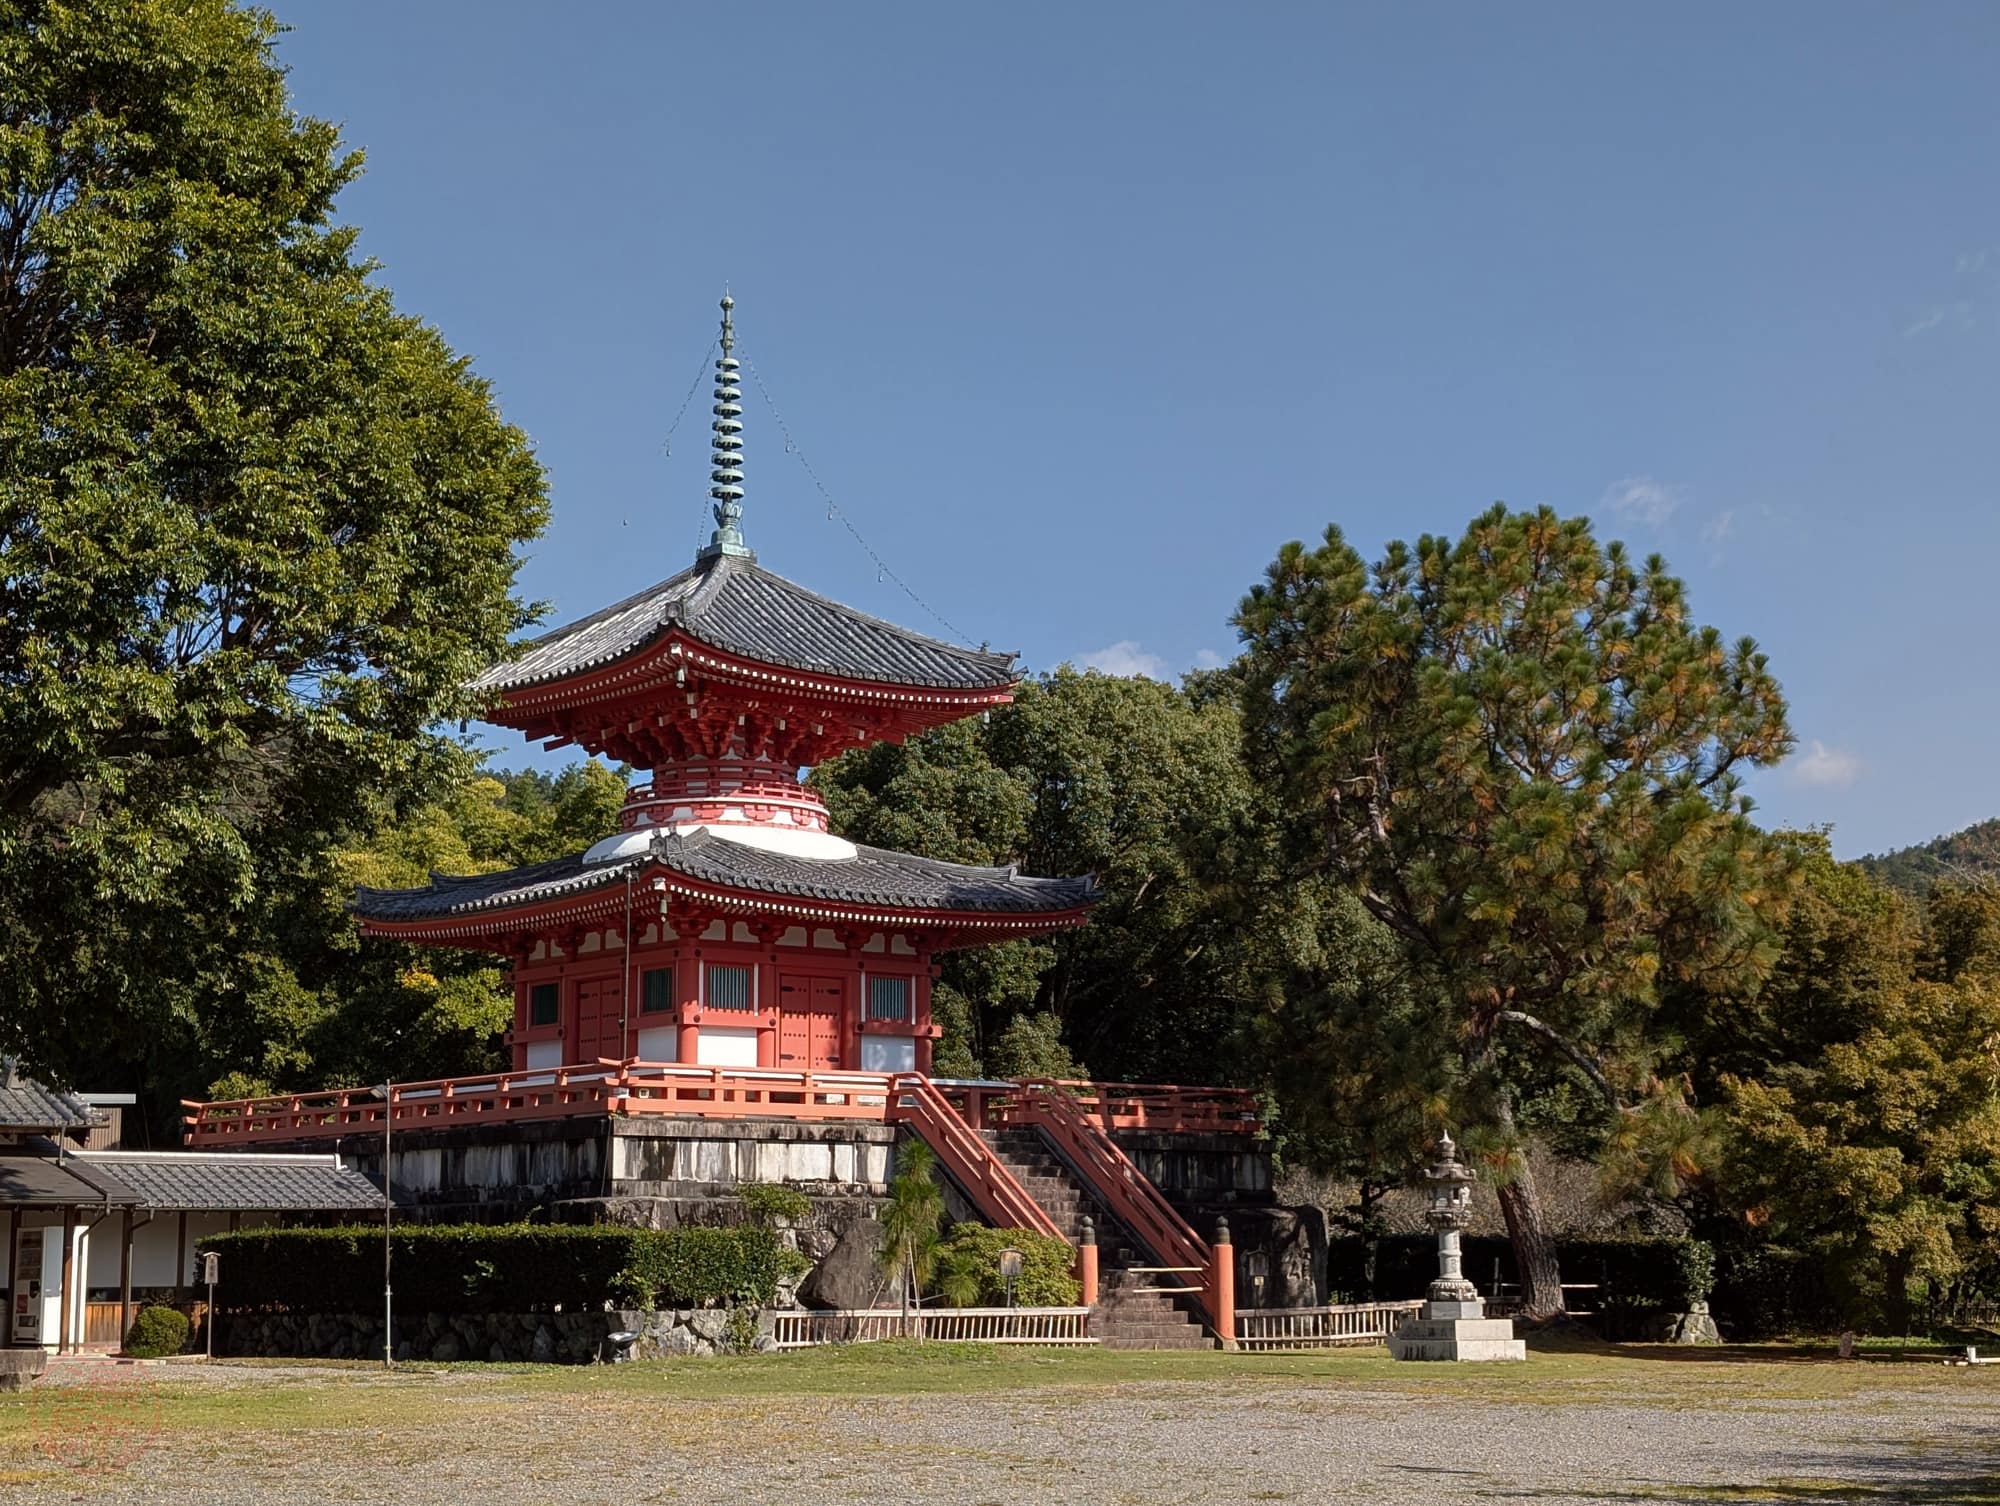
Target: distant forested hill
(1972,853)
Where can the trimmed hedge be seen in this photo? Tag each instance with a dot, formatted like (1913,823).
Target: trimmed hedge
(1770,1292)
(485,1268)
(1632,1275)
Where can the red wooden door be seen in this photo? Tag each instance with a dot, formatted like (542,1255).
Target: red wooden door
(809,1022)
(598,1004)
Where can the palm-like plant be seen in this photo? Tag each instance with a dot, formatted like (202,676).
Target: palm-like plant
(910,1223)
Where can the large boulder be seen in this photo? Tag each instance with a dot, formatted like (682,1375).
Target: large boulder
(850,1274)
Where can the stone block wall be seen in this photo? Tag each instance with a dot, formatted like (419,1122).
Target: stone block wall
(541,1338)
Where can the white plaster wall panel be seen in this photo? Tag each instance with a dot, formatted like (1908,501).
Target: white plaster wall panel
(888,1053)
(726,1047)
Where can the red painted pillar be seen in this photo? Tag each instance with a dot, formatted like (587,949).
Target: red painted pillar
(1086,1261)
(687,1045)
(1222,1285)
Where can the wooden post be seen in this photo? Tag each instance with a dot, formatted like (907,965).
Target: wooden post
(63,1323)
(125,1278)
(1086,1261)
(13,1273)
(1222,1285)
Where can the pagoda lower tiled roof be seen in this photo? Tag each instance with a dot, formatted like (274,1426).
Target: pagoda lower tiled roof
(735,605)
(872,877)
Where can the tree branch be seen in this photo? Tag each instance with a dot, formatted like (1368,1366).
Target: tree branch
(1585,1062)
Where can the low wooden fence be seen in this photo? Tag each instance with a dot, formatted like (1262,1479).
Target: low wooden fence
(1321,1327)
(945,1325)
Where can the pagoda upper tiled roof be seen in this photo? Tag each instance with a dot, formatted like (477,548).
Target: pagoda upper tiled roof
(872,877)
(733,604)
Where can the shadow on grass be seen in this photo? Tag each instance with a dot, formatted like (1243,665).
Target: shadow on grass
(1577,1340)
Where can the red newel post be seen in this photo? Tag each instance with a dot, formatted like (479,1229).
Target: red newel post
(1222,1285)
(1086,1261)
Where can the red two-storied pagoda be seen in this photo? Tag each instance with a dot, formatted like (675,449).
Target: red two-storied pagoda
(725,924)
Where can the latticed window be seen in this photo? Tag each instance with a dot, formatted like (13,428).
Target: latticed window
(656,990)
(728,986)
(888,998)
(544,1003)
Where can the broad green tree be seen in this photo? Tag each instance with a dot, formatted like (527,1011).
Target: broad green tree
(257,529)
(1130,779)
(1523,756)
(1859,1090)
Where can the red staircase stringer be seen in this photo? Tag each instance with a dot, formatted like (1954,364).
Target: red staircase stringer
(1110,1174)
(967,1159)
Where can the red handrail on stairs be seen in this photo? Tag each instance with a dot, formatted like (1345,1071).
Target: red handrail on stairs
(915,1100)
(1110,1174)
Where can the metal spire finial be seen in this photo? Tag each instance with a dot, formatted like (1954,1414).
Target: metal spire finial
(726,459)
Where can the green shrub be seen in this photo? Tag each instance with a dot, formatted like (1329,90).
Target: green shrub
(155,1332)
(769,1202)
(968,1263)
(473,1268)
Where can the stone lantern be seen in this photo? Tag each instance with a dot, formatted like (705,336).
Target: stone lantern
(1449,1214)
(1453,1324)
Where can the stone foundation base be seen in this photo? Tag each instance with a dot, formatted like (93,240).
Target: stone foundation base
(1437,1337)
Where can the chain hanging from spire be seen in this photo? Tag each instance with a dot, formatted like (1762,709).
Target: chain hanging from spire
(726,459)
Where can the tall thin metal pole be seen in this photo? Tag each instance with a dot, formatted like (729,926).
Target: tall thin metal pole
(388,1204)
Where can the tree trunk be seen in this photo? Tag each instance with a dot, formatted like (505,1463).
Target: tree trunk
(1534,1248)
(1527,1227)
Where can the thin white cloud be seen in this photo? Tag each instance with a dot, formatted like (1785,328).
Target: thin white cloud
(1959,313)
(1125,657)
(1823,768)
(1716,531)
(1973,261)
(1642,499)
(1208,658)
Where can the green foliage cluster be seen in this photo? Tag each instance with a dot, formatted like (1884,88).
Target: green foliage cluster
(257,530)
(500,1267)
(1137,782)
(968,1268)
(1970,856)
(770,1203)
(1857,1094)
(157,1332)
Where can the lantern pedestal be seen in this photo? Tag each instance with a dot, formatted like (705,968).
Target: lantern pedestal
(1457,1338)
(1453,1324)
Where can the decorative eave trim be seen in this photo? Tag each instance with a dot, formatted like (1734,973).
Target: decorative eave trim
(608,903)
(652,666)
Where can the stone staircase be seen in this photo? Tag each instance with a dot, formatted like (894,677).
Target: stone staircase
(1130,1313)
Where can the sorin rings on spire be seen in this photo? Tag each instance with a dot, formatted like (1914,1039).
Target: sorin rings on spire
(726,456)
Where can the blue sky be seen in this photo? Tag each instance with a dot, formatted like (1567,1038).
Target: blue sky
(1078,311)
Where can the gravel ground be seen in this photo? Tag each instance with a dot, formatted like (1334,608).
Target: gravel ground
(467,1436)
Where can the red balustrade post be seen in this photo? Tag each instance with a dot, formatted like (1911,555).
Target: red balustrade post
(1222,1285)
(1086,1261)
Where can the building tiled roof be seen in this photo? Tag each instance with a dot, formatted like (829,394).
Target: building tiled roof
(735,605)
(871,877)
(35,1178)
(26,1107)
(240,1181)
